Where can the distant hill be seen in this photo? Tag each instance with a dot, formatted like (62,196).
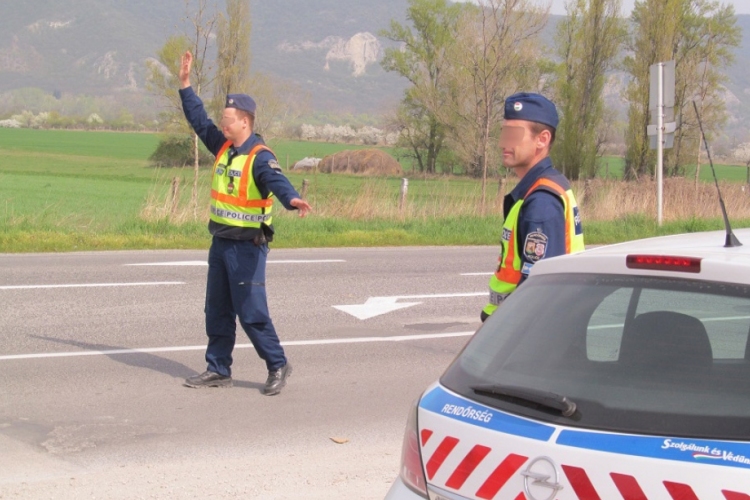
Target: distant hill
(329,48)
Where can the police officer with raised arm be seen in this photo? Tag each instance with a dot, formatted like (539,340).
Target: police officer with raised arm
(246,180)
(541,214)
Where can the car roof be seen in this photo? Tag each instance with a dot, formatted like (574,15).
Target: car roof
(717,262)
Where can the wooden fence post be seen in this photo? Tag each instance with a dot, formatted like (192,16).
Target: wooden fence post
(303,191)
(175,194)
(586,192)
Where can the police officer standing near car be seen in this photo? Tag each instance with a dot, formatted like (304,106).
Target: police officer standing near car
(245,177)
(541,214)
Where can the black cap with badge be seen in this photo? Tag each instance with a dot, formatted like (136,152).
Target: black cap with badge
(531,108)
(242,102)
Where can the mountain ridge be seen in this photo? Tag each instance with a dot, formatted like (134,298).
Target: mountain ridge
(329,48)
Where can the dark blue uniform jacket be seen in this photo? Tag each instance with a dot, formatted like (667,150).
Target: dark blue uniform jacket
(541,212)
(268,180)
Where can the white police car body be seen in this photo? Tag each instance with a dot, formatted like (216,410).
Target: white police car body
(622,372)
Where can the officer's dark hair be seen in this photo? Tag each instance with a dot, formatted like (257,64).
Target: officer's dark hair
(244,114)
(537,128)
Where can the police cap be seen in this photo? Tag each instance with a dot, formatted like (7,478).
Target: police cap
(242,102)
(531,108)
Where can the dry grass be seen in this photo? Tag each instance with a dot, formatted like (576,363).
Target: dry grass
(600,200)
(172,200)
(606,200)
(378,199)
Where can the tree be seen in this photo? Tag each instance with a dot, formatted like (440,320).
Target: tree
(232,52)
(203,31)
(419,134)
(422,59)
(496,53)
(698,35)
(656,27)
(588,41)
(162,81)
(279,103)
(163,73)
(710,35)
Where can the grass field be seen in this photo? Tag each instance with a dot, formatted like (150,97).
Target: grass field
(68,190)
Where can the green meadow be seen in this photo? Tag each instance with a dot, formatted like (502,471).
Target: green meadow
(76,190)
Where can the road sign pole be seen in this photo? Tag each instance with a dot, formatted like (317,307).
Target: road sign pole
(659,142)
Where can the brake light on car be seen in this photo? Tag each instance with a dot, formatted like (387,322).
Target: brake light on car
(411,472)
(664,263)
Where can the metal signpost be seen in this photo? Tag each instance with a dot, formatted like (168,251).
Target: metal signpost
(663,125)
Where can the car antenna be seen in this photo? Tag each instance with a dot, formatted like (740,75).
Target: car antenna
(731,240)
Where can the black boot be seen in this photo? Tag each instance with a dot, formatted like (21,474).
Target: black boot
(208,379)
(277,380)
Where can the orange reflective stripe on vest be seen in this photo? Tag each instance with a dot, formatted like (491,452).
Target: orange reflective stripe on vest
(234,200)
(222,151)
(246,173)
(562,193)
(241,199)
(507,272)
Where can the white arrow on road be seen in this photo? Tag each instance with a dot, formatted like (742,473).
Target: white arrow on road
(375,306)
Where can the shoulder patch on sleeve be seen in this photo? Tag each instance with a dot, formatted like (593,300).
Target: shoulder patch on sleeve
(535,246)
(274,164)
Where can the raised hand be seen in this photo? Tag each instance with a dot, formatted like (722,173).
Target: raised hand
(186,63)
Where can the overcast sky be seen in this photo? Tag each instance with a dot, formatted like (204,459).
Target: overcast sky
(558,6)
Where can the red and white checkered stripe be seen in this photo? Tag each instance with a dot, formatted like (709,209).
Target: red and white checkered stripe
(584,489)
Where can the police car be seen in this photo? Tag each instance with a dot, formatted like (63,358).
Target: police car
(622,372)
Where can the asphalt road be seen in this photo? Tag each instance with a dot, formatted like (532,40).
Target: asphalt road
(94,348)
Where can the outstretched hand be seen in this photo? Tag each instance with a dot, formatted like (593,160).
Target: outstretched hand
(301,205)
(185,65)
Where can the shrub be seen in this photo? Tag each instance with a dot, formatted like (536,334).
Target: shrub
(177,151)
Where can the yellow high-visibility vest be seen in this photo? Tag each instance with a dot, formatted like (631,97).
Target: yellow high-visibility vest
(235,199)
(508,274)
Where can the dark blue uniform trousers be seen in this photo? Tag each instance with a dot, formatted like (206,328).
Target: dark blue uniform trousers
(236,288)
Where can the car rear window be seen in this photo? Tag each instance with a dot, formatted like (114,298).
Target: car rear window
(635,354)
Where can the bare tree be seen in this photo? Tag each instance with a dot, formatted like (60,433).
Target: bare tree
(496,53)
(163,74)
(203,24)
(279,103)
(232,52)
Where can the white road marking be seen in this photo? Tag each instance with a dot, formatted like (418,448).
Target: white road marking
(204,263)
(312,261)
(375,306)
(91,285)
(355,340)
(177,263)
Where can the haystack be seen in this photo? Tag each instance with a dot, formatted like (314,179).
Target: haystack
(361,161)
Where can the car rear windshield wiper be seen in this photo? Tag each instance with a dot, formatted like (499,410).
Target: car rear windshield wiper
(566,407)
